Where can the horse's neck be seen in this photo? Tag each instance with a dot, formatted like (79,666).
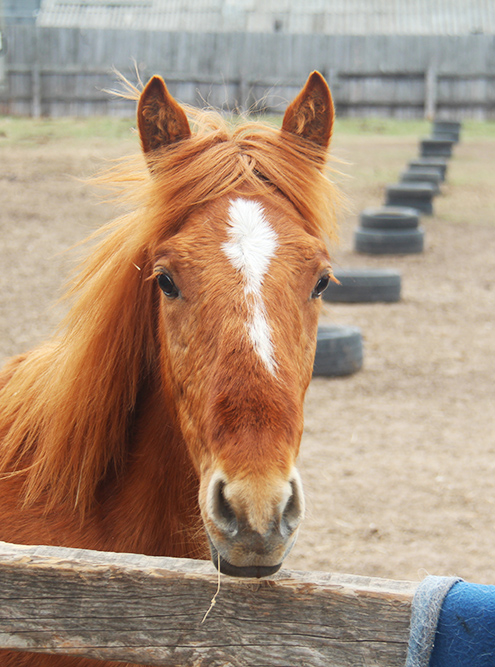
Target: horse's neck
(147,502)
(152,507)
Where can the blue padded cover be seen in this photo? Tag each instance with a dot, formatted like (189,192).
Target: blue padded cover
(425,612)
(465,634)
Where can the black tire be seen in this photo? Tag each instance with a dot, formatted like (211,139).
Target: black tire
(445,136)
(430,162)
(364,286)
(422,176)
(394,242)
(451,125)
(436,147)
(339,351)
(450,129)
(389,217)
(418,196)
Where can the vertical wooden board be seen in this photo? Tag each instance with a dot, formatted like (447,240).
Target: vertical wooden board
(330,53)
(329,65)
(285,65)
(489,55)
(231,56)
(444,92)
(368,52)
(254,58)
(304,57)
(88,49)
(348,54)
(20,45)
(270,52)
(358,60)
(144,43)
(110,47)
(183,56)
(413,52)
(66,46)
(123,50)
(130,50)
(152,51)
(490,95)
(161,53)
(100,42)
(249,63)
(21,93)
(137,56)
(465,52)
(44,44)
(227,53)
(198,52)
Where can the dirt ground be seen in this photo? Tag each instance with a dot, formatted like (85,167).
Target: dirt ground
(398,460)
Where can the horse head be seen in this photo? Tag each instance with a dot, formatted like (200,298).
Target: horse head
(238,283)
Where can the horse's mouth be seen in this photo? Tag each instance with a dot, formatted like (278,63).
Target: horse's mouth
(244,571)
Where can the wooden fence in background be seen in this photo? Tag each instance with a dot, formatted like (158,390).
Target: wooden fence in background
(63,71)
(149,610)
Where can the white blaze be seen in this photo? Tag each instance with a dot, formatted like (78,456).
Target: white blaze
(251,245)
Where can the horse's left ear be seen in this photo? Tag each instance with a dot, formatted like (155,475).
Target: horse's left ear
(311,114)
(161,121)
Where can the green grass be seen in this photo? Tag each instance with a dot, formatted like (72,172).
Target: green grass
(381,126)
(393,127)
(471,129)
(28,131)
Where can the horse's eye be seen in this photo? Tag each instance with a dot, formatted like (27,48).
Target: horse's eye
(167,285)
(320,287)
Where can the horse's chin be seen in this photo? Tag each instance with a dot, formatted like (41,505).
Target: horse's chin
(242,571)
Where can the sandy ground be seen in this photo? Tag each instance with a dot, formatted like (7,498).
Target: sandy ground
(398,460)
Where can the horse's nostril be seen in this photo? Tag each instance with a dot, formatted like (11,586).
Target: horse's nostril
(222,513)
(294,510)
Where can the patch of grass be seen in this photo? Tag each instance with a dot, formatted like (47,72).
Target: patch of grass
(477,129)
(29,131)
(382,126)
(471,129)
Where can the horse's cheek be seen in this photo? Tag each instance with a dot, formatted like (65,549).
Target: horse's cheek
(311,313)
(182,374)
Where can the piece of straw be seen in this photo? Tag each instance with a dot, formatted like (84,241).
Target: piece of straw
(214,598)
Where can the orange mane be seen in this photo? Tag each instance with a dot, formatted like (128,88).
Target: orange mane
(67,409)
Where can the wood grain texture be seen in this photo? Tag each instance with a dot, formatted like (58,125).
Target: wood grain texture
(149,611)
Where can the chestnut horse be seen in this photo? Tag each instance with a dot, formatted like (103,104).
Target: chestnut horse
(165,416)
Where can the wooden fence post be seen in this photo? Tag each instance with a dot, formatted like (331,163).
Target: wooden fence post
(36,80)
(431,81)
(36,91)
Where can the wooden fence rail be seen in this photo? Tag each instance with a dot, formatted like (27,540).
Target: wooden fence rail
(149,610)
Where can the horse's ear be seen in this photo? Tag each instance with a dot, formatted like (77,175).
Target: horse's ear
(311,114)
(161,121)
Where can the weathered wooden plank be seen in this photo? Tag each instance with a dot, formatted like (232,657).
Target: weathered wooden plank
(149,610)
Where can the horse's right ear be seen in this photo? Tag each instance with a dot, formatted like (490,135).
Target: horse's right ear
(161,121)
(311,114)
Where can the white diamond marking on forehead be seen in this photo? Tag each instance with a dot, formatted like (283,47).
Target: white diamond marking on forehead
(252,244)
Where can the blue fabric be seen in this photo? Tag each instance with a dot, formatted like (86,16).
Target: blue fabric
(426,607)
(465,634)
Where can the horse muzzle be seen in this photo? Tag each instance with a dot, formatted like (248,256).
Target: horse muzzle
(251,524)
